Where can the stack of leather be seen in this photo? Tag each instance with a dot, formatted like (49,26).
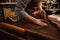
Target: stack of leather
(51,32)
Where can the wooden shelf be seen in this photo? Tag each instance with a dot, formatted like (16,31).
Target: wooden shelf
(5,5)
(53,9)
(55,3)
(8,3)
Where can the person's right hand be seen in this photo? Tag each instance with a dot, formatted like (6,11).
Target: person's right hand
(39,22)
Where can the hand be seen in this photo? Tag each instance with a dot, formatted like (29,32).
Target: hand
(39,22)
(36,21)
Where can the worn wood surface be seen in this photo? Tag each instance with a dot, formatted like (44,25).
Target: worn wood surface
(51,32)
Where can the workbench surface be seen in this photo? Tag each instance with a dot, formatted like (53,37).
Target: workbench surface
(51,31)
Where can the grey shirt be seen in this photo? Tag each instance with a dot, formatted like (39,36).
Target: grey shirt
(20,9)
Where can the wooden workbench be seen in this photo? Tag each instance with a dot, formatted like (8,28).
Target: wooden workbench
(51,32)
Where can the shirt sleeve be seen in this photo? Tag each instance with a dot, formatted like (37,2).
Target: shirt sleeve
(20,9)
(40,3)
(20,13)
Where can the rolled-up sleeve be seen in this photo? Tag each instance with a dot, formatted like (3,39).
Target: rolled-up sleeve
(20,13)
(20,10)
(40,3)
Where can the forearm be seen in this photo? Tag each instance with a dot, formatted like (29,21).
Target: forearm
(40,6)
(29,17)
(36,21)
(41,10)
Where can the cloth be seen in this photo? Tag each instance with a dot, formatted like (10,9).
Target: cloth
(51,32)
(20,9)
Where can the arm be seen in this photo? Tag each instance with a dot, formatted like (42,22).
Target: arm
(41,10)
(40,7)
(21,13)
(24,14)
(34,20)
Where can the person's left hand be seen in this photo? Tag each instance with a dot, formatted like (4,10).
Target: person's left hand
(39,22)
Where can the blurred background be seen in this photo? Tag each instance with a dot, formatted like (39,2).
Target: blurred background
(7,7)
(51,7)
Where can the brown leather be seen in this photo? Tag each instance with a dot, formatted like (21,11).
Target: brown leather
(51,32)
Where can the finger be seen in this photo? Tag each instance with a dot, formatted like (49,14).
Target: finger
(43,24)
